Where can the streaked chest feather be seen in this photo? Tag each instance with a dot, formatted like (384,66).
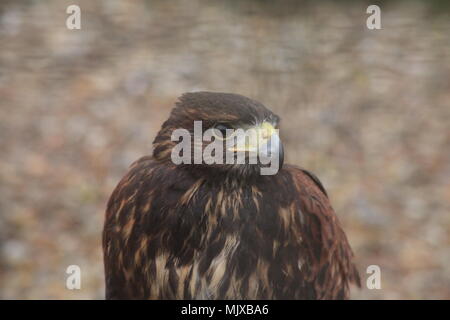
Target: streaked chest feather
(219,244)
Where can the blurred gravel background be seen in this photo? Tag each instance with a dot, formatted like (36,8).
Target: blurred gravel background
(367,111)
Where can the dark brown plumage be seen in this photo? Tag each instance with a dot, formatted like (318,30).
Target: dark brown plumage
(222,231)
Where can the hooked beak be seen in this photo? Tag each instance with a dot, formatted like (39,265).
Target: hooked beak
(262,140)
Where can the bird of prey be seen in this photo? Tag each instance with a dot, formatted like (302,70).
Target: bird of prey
(222,231)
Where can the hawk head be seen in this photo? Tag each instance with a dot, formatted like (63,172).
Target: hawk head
(220,132)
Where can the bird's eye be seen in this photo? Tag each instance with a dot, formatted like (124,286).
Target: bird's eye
(222,131)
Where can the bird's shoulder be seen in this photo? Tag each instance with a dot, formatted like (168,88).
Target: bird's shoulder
(149,172)
(321,224)
(147,179)
(306,182)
